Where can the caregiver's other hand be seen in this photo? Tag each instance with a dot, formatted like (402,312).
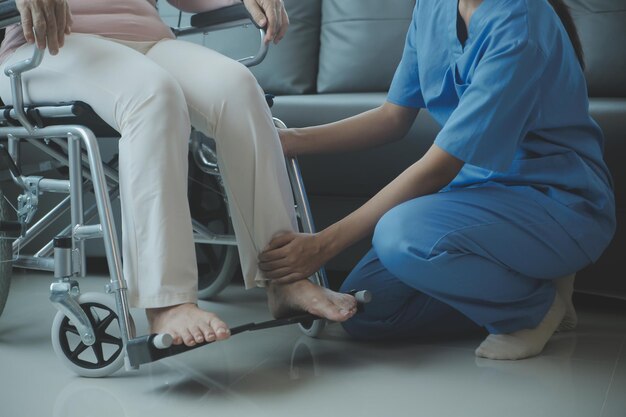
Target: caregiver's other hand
(270,14)
(49,19)
(292,257)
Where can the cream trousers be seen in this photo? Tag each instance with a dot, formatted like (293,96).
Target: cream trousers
(152,92)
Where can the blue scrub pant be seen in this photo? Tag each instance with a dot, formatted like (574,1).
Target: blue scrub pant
(461,259)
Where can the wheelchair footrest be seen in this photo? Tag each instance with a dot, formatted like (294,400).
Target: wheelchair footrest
(147,349)
(143,350)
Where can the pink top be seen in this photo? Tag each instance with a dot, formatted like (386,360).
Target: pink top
(131,20)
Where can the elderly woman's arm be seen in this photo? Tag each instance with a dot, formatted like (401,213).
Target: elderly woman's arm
(270,13)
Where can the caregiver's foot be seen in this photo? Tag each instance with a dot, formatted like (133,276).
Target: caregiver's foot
(565,289)
(524,343)
(304,296)
(187,323)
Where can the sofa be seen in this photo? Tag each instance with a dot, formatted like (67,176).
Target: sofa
(338,60)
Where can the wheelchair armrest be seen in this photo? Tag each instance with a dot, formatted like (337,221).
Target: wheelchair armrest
(8,13)
(225,15)
(226,18)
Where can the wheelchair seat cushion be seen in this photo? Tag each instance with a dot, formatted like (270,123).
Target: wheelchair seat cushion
(67,113)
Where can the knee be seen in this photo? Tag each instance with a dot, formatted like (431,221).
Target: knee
(163,93)
(391,240)
(160,96)
(402,250)
(156,107)
(238,87)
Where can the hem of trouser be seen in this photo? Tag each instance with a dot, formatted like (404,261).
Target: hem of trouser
(165,300)
(512,326)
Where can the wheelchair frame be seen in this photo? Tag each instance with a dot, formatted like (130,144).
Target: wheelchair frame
(68,261)
(226,18)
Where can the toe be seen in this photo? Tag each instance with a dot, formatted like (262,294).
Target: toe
(197,334)
(343,301)
(176,338)
(188,338)
(208,333)
(220,329)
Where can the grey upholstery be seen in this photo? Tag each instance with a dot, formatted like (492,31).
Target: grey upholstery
(369,170)
(602,28)
(361,44)
(602,23)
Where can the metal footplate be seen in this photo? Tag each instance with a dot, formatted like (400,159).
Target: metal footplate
(152,348)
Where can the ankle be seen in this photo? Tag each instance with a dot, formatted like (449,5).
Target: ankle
(158,311)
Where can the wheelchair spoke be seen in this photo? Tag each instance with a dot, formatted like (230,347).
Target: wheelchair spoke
(69,328)
(109,339)
(97,350)
(102,325)
(79,349)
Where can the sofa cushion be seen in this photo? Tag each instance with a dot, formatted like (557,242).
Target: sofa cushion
(361,44)
(602,28)
(290,66)
(368,170)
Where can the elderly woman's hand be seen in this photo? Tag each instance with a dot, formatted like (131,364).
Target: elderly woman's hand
(270,14)
(50,20)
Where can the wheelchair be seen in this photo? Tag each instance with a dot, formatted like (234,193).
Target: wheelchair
(98,323)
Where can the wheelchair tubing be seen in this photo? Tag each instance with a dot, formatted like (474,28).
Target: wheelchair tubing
(6,254)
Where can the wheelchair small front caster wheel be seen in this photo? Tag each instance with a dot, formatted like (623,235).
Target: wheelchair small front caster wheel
(106,355)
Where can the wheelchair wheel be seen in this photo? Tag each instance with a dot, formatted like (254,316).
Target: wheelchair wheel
(106,355)
(217,264)
(6,254)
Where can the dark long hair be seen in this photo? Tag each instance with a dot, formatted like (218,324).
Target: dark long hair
(565,15)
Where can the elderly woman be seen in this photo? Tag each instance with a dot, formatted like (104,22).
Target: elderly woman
(119,56)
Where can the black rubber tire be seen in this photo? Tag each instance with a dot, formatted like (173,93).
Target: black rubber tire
(218,265)
(6,254)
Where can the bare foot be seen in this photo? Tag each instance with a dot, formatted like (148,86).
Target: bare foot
(304,296)
(187,324)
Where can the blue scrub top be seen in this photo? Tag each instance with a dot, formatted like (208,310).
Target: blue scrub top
(512,103)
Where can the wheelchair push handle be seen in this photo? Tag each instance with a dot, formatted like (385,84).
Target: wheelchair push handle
(10,15)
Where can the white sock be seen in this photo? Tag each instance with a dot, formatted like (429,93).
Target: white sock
(565,289)
(523,343)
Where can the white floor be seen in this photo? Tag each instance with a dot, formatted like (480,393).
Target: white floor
(280,372)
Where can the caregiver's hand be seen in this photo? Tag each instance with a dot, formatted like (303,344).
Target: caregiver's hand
(270,13)
(288,141)
(50,20)
(292,257)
